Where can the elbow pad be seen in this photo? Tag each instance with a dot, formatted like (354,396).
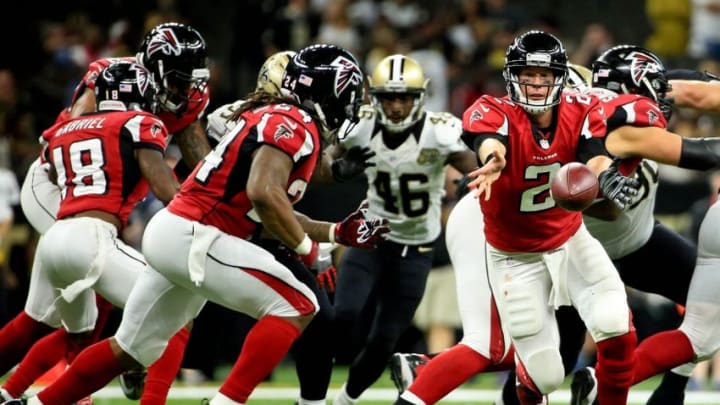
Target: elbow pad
(700,153)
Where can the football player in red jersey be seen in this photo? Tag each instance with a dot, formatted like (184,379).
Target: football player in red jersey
(104,163)
(197,248)
(636,128)
(175,54)
(532,244)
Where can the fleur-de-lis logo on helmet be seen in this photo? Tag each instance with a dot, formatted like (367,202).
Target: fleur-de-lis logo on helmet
(164,41)
(348,73)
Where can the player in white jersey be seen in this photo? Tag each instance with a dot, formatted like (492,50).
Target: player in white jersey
(405,185)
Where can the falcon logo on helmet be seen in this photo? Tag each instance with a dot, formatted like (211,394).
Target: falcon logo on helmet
(640,65)
(164,41)
(348,73)
(142,77)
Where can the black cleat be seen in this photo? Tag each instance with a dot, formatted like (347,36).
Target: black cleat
(583,388)
(132,383)
(404,367)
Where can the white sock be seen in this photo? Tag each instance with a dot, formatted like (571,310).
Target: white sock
(684,370)
(220,399)
(34,400)
(302,401)
(5,395)
(412,398)
(342,397)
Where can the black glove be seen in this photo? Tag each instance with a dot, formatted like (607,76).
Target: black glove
(352,164)
(461,186)
(618,188)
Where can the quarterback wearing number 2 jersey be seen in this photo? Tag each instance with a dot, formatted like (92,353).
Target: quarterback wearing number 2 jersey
(521,197)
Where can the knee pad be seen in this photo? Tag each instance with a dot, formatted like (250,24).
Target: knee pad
(524,310)
(610,319)
(545,368)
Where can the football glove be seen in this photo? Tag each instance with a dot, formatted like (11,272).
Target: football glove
(326,279)
(618,188)
(352,164)
(311,257)
(358,231)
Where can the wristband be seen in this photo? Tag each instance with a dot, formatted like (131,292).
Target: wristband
(331,233)
(304,247)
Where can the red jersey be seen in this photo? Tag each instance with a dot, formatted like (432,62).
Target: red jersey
(173,122)
(214,193)
(521,216)
(629,109)
(94,156)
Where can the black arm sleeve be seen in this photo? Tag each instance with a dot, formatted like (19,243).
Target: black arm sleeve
(589,148)
(688,74)
(700,153)
(473,141)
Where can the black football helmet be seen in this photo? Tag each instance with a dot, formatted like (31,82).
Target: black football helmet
(535,49)
(176,55)
(327,80)
(631,69)
(123,86)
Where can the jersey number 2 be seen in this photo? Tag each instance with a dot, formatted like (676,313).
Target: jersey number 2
(531,200)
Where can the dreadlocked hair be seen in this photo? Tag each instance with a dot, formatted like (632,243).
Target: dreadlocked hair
(261,98)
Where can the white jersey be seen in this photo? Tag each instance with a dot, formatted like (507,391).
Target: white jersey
(218,121)
(406,185)
(633,228)
(9,193)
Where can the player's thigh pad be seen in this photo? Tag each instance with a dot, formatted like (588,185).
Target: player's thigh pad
(465,242)
(595,287)
(39,197)
(237,274)
(701,322)
(521,286)
(80,256)
(40,302)
(156,309)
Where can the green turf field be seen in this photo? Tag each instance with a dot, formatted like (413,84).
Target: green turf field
(282,389)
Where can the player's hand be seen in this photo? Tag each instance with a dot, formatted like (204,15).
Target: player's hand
(462,186)
(358,231)
(352,164)
(485,176)
(618,188)
(327,279)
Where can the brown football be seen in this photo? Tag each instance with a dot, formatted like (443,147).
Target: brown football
(574,187)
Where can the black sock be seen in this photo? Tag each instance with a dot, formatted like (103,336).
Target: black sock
(509,391)
(673,381)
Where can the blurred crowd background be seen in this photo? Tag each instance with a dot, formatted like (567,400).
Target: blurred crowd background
(460,44)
